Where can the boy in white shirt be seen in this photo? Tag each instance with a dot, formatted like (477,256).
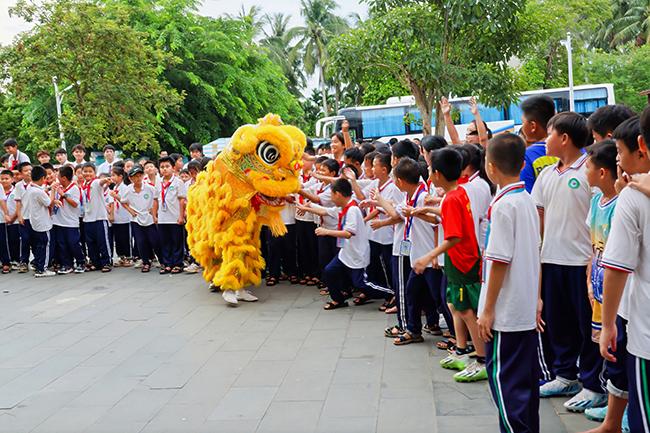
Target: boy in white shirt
(79,153)
(39,203)
(95,220)
(562,195)
(628,252)
(171,217)
(65,219)
(121,220)
(306,241)
(22,212)
(508,305)
(348,268)
(5,218)
(12,225)
(141,201)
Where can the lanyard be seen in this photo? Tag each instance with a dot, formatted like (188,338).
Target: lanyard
(412,203)
(344,212)
(163,191)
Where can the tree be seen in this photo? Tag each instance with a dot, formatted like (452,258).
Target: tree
(279,40)
(436,48)
(321,25)
(630,23)
(119,97)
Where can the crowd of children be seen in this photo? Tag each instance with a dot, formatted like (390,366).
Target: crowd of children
(522,244)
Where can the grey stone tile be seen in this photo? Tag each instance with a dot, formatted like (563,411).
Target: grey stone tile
(72,420)
(364,370)
(291,417)
(412,415)
(347,425)
(139,405)
(364,347)
(304,385)
(263,373)
(325,338)
(463,399)
(243,404)
(467,424)
(358,400)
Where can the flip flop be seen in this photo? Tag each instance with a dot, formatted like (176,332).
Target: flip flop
(332,306)
(407,338)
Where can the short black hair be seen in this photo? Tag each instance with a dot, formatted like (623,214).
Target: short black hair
(343,187)
(38,173)
(309,150)
(205,161)
(79,147)
(331,165)
(59,151)
(645,125)
(338,135)
(370,156)
(474,154)
(119,163)
(507,153)
(42,152)
(605,119)
(538,109)
(433,142)
(194,165)
(108,147)
(66,171)
(175,157)
(628,133)
(47,166)
(603,155)
(572,124)
(407,170)
(22,165)
(168,159)
(184,171)
(447,161)
(195,147)
(6,173)
(366,148)
(465,154)
(118,171)
(149,161)
(354,154)
(321,159)
(405,148)
(88,165)
(384,160)
(10,142)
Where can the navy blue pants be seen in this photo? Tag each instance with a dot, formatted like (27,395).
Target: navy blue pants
(380,269)
(568,325)
(513,374)
(307,244)
(24,230)
(171,244)
(327,250)
(13,238)
(123,240)
(401,270)
(638,406)
(440,300)
(98,243)
(68,246)
(616,372)
(340,278)
(282,253)
(146,238)
(419,296)
(40,244)
(4,245)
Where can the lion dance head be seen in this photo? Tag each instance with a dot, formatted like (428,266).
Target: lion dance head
(241,190)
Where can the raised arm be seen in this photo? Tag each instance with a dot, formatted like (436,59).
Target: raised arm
(480,127)
(445,106)
(345,129)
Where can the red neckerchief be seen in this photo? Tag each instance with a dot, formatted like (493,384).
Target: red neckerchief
(463,180)
(7,194)
(64,191)
(305,178)
(86,188)
(344,212)
(164,186)
(323,188)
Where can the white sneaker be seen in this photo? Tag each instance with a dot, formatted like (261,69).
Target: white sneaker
(45,273)
(192,268)
(138,264)
(558,387)
(79,270)
(474,372)
(230,297)
(64,271)
(585,399)
(246,295)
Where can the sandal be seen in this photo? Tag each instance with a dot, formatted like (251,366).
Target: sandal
(393,332)
(322,285)
(386,305)
(334,305)
(6,269)
(271,281)
(447,334)
(293,280)
(407,338)
(145,268)
(312,281)
(176,270)
(303,281)
(165,270)
(91,268)
(391,310)
(106,269)
(446,344)
(360,300)
(433,330)
(324,292)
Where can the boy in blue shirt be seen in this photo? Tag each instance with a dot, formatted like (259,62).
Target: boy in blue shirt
(537,111)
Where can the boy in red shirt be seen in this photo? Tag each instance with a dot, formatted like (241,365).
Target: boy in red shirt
(462,263)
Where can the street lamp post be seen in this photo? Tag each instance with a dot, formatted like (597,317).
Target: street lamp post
(569,48)
(58,95)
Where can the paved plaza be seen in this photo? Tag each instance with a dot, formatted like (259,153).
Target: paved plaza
(128,352)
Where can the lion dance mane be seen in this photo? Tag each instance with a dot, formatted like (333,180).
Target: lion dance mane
(241,190)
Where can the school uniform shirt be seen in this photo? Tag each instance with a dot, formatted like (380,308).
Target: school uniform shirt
(3,197)
(141,202)
(354,252)
(39,201)
(92,196)
(398,228)
(389,191)
(480,197)
(418,232)
(309,184)
(628,250)
(10,199)
(288,214)
(564,196)
(18,159)
(106,167)
(329,221)
(67,215)
(169,209)
(20,195)
(513,239)
(121,215)
(535,160)
(457,222)
(108,201)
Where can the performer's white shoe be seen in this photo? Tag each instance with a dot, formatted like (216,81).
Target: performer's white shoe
(230,297)
(246,295)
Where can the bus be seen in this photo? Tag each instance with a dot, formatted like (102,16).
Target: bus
(399,117)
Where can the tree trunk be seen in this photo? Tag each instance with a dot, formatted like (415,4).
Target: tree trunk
(424,104)
(323,89)
(337,97)
(440,121)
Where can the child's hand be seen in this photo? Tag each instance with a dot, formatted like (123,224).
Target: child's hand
(181,220)
(408,211)
(345,126)
(321,231)
(421,264)
(590,293)
(473,106)
(608,340)
(540,322)
(485,322)
(641,182)
(622,180)
(58,203)
(349,174)
(445,106)
(376,224)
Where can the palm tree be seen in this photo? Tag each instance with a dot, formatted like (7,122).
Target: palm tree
(631,22)
(251,17)
(321,24)
(278,39)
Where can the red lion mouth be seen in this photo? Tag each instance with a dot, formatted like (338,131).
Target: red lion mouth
(261,199)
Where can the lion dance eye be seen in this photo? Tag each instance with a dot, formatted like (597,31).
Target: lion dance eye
(268,152)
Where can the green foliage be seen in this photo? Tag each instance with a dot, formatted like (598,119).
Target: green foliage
(119,99)
(435,48)
(379,86)
(630,22)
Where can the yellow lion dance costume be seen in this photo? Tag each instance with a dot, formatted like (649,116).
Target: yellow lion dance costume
(241,190)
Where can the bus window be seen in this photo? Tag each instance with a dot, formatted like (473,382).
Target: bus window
(415,126)
(383,122)
(488,114)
